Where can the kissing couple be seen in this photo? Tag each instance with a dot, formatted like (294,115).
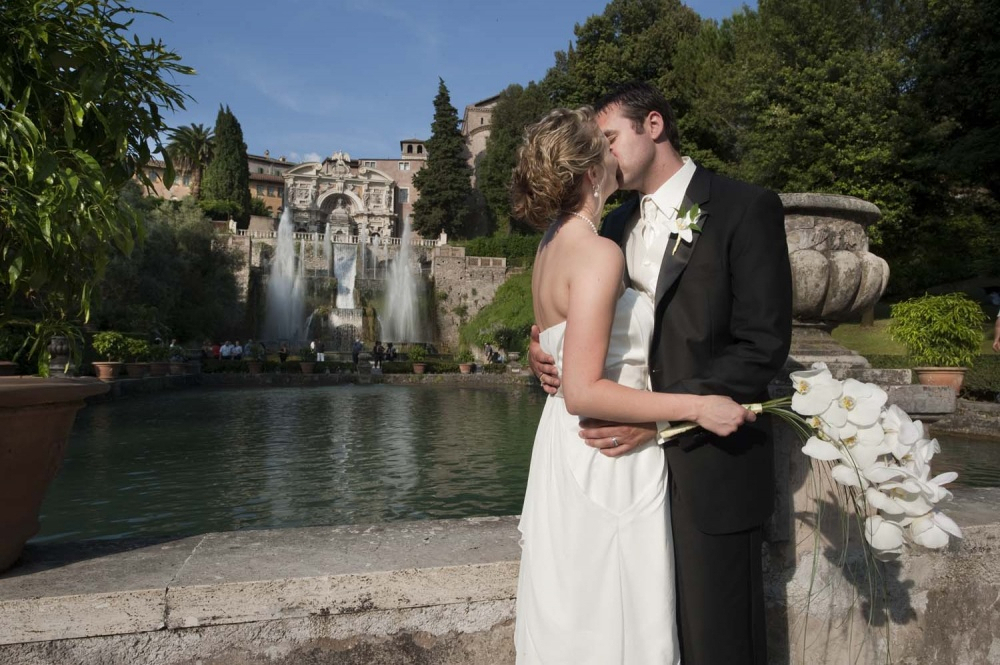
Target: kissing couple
(635,549)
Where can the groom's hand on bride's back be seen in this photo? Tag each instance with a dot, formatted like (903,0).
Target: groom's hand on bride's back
(542,364)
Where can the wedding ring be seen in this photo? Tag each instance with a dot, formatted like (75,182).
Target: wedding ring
(614,442)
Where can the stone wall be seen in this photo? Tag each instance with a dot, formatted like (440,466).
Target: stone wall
(443,592)
(463,285)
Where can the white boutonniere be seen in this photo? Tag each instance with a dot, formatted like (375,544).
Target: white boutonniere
(685,225)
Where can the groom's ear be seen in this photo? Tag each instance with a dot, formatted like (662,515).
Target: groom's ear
(655,126)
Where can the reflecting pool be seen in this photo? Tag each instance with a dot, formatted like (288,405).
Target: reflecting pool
(194,461)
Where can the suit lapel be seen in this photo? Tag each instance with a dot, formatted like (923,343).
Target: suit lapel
(674,263)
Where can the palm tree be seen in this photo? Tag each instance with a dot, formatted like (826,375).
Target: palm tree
(191,149)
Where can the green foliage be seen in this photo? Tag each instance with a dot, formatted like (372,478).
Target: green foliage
(259,207)
(444,182)
(137,350)
(81,106)
(505,322)
(110,345)
(191,148)
(307,354)
(630,40)
(464,356)
(516,108)
(416,354)
(180,283)
(519,250)
(939,331)
(227,177)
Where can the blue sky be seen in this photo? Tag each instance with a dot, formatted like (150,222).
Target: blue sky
(306,78)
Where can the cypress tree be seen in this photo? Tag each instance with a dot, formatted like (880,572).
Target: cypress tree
(227,177)
(444,182)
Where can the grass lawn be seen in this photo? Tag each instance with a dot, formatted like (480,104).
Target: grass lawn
(875,340)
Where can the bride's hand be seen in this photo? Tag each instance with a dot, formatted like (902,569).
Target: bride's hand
(542,364)
(722,416)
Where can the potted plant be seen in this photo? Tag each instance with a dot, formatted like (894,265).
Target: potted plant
(80,140)
(111,346)
(942,335)
(307,360)
(464,360)
(417,356)
(159,357)
(178,358)
(137,351)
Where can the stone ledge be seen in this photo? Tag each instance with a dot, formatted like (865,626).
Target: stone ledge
(88,589)
(441,592)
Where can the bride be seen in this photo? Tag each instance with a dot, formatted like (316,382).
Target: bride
(597,581)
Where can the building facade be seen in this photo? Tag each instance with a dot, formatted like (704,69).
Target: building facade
(364,196)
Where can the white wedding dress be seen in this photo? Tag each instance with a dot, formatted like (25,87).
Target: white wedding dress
(597,567)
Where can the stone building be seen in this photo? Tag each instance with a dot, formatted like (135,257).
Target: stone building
(370,196)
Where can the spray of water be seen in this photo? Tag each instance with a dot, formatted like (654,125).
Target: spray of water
(401,322)
(285,286)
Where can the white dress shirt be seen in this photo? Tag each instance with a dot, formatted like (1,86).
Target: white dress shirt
(645,249)
(649,236)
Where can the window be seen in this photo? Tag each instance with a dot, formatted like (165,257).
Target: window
(404,166)
(409,149)
(154,176)
(270,190)
(420,149)
(186,180)
(260,190)
(481,120)
(404,195)
(260,169)
(369,164)
(281,191)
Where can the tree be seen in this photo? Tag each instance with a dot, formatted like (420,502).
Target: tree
(444,182)
(81,101)
(181,282)
(191,148)
(516,108)
(227,177)
(631,40)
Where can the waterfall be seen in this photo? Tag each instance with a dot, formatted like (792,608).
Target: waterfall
(345,269)
(401,321)
(285,286)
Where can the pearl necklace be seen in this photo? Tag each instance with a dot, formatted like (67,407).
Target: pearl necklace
(584,218)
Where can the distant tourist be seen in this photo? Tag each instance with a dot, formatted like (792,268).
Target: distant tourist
(319,348)
(283,352)
(226,350)
(177,353)
(390,352)
(216,347)
(206,350)
(356,352)
(378,352)
(237,351)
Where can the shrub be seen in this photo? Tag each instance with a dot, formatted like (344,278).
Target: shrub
(417,354)
(939,331)
(110,345)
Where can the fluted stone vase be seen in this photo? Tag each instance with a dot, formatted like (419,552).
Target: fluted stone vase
(834,276)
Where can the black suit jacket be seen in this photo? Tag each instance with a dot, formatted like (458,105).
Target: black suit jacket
(723,326)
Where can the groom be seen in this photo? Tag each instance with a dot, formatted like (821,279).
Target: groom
(723,326)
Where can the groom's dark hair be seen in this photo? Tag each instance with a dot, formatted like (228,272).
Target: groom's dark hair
(637,100)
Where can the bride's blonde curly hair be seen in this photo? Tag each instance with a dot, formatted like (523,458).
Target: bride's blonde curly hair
(551,162)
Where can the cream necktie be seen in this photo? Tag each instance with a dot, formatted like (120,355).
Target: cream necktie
(647,219)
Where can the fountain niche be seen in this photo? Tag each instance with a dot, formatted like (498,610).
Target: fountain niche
(342,285)
(834,276)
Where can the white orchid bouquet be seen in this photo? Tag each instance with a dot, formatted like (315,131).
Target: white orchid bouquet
(878,454)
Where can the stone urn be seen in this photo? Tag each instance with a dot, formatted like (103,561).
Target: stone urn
(834,276)
(35,417)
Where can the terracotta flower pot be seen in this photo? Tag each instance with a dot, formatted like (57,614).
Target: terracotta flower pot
(953,377)
(136,370)
(159,368)
(307,366)
(35,416)
(419,368)
(178,368)
(107,371)
(255,366)
(465,368)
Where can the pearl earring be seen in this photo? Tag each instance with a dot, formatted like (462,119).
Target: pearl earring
(597,192)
